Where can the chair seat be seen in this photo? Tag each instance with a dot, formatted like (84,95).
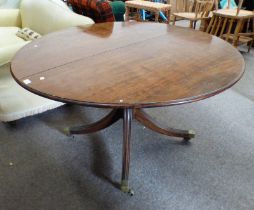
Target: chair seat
(189,16)
(9,43)
(147,5)
(231,13)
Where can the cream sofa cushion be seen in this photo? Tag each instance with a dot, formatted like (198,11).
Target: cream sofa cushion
(10,17)
(49,15)
(16,102)
(42,16)
(2,2)
(9,43)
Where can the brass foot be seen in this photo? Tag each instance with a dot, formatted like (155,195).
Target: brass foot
(66,131)
(191,134)
(125,188)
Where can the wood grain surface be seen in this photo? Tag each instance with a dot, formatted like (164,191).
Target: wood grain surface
(127,64)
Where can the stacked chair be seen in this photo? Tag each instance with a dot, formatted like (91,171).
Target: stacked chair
(229,24)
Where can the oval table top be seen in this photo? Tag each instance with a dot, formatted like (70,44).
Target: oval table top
(127,64)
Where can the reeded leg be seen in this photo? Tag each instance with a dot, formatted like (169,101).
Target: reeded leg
(144,119)
(127,118)
(107,121)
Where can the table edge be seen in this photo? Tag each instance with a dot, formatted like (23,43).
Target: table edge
(137,105)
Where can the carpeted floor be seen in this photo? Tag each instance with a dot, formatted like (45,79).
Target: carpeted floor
(42,169)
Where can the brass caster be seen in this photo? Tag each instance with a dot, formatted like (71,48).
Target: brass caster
(67,132)
(128,191)
(131,192)
(191,134)
(125,188)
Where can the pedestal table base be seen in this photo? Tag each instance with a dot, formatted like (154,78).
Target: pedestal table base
(127,114)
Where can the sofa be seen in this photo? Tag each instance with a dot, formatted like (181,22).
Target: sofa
(9,3)
(43,17)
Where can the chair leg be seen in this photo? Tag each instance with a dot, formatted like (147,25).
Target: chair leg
(237,30)
(157,16)
(174,20)
(168,14)
(127,13)
(250,45)
(191,24)
(194,25)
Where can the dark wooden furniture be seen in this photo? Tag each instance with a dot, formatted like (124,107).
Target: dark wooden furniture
(128,66)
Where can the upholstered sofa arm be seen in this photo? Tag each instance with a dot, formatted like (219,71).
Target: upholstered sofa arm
(46,16)
(72,19)
(10,17)
(8,52)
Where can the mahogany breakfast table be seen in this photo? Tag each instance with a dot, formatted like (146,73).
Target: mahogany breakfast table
(127,66)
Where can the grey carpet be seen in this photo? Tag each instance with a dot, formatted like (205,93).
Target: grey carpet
(42,169)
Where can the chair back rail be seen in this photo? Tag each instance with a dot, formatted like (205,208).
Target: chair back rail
(195,10)
(194,5)
(180,5)
(203,7)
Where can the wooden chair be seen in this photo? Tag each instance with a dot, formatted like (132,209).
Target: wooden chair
(154,7)
(228,23)
(181,6)
(194,10)
(247,38)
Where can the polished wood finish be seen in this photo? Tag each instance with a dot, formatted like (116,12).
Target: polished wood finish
(139,115)
(127,66)
(127,119)
(148,122)
(127,114)
(105,122)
